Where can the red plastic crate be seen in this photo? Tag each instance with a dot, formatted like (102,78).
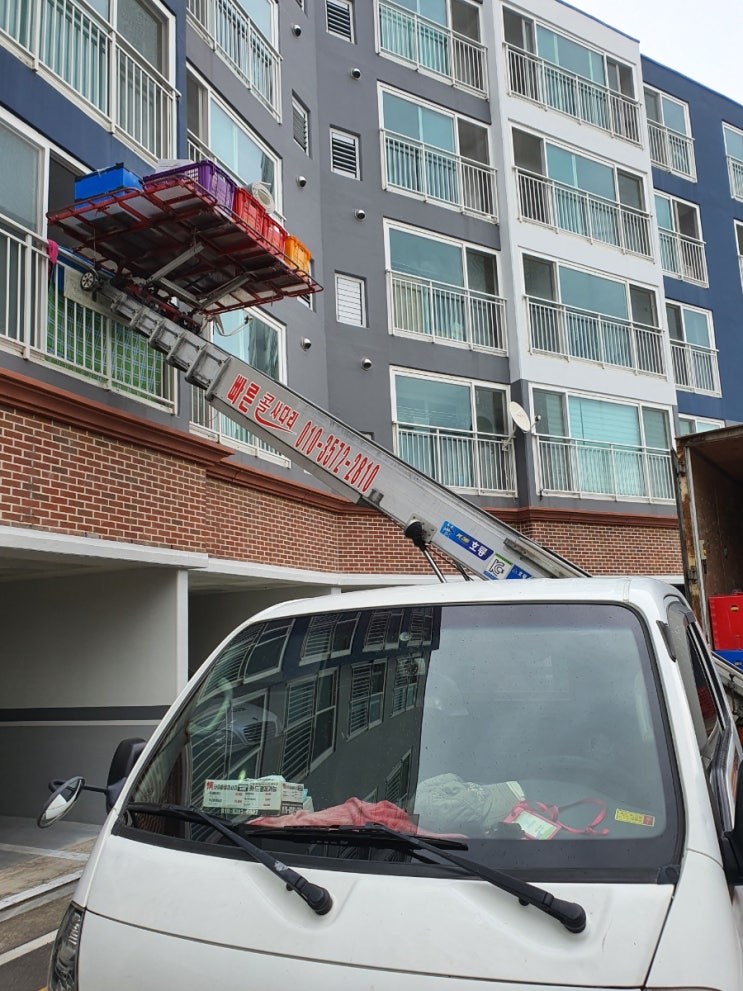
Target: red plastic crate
(249,210)
(209,176)
(274,233)
(726,617)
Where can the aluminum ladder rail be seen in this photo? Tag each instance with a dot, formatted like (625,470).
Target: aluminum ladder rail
(429,513)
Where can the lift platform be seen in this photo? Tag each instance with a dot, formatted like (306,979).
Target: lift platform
(172,239)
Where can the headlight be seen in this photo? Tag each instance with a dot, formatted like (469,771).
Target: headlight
(63,965)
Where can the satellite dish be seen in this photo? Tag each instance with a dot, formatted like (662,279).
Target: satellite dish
(263,194)
(520,417)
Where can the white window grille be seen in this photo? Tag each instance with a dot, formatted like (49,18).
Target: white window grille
(350,300)
(344,153)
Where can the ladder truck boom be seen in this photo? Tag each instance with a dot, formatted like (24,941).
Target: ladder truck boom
(352,465)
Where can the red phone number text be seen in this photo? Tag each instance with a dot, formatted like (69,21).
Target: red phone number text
(327,450)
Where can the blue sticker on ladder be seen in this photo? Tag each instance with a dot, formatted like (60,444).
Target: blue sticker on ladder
(465,540)
(517,572)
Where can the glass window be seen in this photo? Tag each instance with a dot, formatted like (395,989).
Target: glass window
(592,292)
(241,153)
(20,167)
(425,257)
(570,55)
(733,142)
(582,173)
(143,29)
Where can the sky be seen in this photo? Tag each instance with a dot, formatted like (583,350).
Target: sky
(704,41)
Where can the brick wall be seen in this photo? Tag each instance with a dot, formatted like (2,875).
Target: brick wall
(112,476)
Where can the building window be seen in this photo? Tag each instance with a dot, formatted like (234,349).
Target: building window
(445,291)
(453,431)
(259,340)
(301,125)
(117,59)
(397,783)
(215,131)
(339,18)
(581,195)
(443,38)
(577,314)
(437,156)
(602,447)
(696,425)
(739,243)
(669,131)
(350,300)
(405,687)
(693,348)
(365,707)
(576,80)
(245,36)
(344,153)
(681,245)
(734,152)
(310,724)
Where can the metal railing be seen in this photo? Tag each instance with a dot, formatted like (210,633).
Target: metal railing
(551,86)
(566,208)
(45,315)
(622,472)
(427,45)
(683,257)
(671,151)
(80,48)
(695,368)
(446,313)
(575,333)
(735,171)
(482,462)
(224,430)
(230,31)
(438,175)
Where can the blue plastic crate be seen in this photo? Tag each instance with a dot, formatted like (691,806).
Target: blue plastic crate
(97,184)
(734,657)
(206,174)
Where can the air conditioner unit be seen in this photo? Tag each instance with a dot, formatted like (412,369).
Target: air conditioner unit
(263,194)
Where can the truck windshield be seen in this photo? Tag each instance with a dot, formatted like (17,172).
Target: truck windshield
(529,733)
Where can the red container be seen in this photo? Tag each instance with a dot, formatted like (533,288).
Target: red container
(726,617)
(206,174)
(274,233)
(250,211)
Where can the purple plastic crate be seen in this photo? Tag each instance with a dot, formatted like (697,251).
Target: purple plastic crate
(208,175)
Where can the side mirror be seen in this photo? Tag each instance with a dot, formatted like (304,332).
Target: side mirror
(126,756)
(732,840)
(60,802)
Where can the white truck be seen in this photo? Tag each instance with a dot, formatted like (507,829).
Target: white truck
(522,784)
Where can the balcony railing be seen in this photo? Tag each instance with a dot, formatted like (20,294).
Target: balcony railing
(573,333)
(438,175)
(446,313)
(481,462)
(45,315)
(695,368)
(554,87)
(622,472)
(432,47)
(735,171)
(225,430)
(232,34)
(683,257)
(86,54)
(565,208)
(671,151)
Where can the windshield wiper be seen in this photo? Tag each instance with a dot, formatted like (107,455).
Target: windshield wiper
(317,897)
(570,914)
(345,831)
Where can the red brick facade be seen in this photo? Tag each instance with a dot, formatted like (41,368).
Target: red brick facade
(75,467)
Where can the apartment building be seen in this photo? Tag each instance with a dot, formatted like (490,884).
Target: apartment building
(504,203)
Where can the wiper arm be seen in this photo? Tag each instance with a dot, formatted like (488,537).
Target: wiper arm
(317,897)
(570,914)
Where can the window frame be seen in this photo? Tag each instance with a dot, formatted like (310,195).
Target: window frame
(348,6)
(301,115)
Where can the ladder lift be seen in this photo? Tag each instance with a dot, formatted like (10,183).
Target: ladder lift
(166,260)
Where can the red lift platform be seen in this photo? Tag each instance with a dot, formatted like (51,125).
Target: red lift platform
(172,238)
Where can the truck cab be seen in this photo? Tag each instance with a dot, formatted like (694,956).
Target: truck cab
(530,784)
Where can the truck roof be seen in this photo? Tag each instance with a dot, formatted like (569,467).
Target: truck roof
(637,590)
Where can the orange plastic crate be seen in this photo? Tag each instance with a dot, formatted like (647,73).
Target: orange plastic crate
(249,210)
(297,254)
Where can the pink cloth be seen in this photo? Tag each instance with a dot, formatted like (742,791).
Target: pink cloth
(353,812)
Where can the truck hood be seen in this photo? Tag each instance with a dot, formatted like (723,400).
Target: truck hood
(461,928)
